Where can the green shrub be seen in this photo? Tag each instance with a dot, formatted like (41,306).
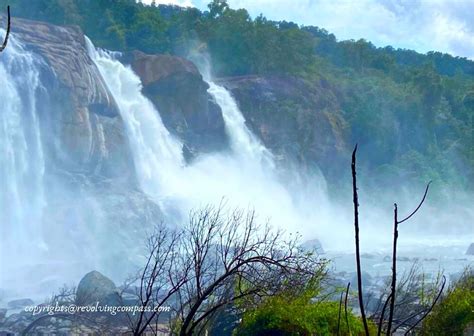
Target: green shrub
(300,315)
(455,311)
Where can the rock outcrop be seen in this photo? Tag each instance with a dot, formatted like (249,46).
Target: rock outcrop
(177,88)
(297,120)
(89,179)
(470,249)
(85,132)
(95,287)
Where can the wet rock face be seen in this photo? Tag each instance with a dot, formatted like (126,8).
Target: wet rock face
(89,176)
(178,90)
(82,126)
(297,120)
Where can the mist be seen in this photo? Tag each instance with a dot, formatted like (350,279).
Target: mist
(84,234)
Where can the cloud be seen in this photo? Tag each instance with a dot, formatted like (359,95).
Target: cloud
(422,25)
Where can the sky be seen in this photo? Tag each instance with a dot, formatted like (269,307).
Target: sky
(422,25)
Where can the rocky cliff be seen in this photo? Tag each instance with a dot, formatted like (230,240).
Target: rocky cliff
(86,132)
(177,88)
(297,120)
(90,186)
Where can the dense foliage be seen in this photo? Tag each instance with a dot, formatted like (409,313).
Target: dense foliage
(299,313)
(415,111)
(455,311)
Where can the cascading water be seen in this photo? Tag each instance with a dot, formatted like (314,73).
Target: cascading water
(22,162)
(157,154)
(243,141)
(244,177)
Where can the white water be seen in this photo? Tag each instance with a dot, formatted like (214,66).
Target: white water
(244,177)
(243,142)
(22,163)
(157,154)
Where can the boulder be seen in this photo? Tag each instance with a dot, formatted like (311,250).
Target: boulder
(3,314)
(367,279)
(470,249)
(178,90)
(20,303)
(95,287)
(368,256)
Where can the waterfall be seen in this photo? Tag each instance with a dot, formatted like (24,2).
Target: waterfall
(22,163)
(157,154)
(244,176)
(243,142)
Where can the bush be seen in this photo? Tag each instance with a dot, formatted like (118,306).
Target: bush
(455,311)
(298,315)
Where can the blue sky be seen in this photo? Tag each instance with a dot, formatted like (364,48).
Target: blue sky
(422,25)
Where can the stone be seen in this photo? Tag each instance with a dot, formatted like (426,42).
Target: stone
(299,121)
(20,303)
(177,89)
(95,287)
(367,279)
(84,128)
(470,249)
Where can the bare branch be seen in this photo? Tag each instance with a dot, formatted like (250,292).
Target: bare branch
(419,205)
(382,314)
(356,227)
(393,284)
(396,222)
(345,308)
(339,314)
(234,258)
(431,307)
(5,41)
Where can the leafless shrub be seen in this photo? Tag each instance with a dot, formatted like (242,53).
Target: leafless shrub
(217,259)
